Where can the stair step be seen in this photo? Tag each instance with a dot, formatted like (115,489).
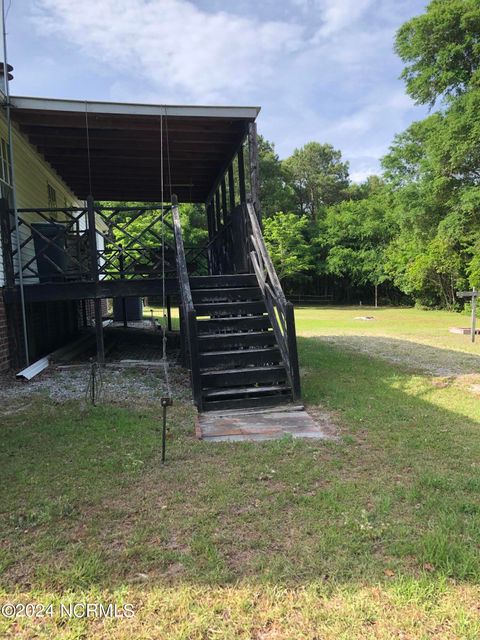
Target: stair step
(232,280)
(217,341)
(239,357)
(242,376)
(242,323)
(247,403)
(226,295)
(230,308)
(220,394)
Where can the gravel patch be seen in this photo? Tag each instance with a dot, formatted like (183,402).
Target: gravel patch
(117,386)
(414,355)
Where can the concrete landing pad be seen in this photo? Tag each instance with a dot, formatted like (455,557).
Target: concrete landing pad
(236,426)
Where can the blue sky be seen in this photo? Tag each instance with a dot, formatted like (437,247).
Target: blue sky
(320,69)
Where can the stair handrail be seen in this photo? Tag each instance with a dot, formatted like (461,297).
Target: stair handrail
(188,316)
(280,310)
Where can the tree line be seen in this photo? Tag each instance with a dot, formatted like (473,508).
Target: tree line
(412,232)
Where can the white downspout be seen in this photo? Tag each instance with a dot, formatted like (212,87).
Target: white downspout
(14,192)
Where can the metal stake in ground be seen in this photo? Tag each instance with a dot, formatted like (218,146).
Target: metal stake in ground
(473,294)
(165,402)
(92,382)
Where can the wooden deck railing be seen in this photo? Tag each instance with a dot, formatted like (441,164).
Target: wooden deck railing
(280,311)
(86,244)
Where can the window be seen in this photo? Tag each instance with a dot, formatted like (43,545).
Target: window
(52,196)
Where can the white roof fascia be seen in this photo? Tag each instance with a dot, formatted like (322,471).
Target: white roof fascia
(122,108)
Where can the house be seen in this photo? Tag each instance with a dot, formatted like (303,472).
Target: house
(67,245)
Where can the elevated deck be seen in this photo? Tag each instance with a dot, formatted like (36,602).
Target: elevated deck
(237,331)
(90,289)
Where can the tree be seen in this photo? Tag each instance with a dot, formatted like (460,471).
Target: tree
(194,226)
(318,177)
(275,194)
(441,49)
(428,257)
(433,168)
(285,236)
(356,237)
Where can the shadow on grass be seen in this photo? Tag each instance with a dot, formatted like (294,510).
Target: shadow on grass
(88,504)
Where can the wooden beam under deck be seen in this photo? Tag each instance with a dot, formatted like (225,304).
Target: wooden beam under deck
(93,290)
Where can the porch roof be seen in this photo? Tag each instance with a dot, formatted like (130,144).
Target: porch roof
(124,144)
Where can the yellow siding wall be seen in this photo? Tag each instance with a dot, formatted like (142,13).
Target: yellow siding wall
(32,173)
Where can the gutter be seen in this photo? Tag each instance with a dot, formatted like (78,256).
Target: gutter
(34,369)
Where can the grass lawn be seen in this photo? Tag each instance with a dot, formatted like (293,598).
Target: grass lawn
(374,535)
(156,312)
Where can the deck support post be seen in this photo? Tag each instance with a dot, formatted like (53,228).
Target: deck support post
(92,236)
(223,189)
(99,332)
(210,220)
(121,265)
(84,313)
(242,189)
(218,210)
(211,234)
(183,341)
(241,176)
(169,313)
(231,187)
(254,173)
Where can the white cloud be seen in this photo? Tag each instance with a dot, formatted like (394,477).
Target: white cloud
(366,118)
(172,43)
(333,16)
(362,174)
(321,69)
(340,14)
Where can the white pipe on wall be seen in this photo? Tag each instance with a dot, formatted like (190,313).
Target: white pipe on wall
(12,170)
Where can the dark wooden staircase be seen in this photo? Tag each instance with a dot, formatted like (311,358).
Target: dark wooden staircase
(239,359)
(237,330)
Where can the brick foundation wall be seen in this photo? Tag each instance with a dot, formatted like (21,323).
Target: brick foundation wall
(4,347)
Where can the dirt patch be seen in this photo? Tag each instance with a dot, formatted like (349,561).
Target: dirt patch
(328,421)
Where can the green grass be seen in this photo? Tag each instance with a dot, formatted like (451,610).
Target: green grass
(157,313)
(416,325)
(375,535)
